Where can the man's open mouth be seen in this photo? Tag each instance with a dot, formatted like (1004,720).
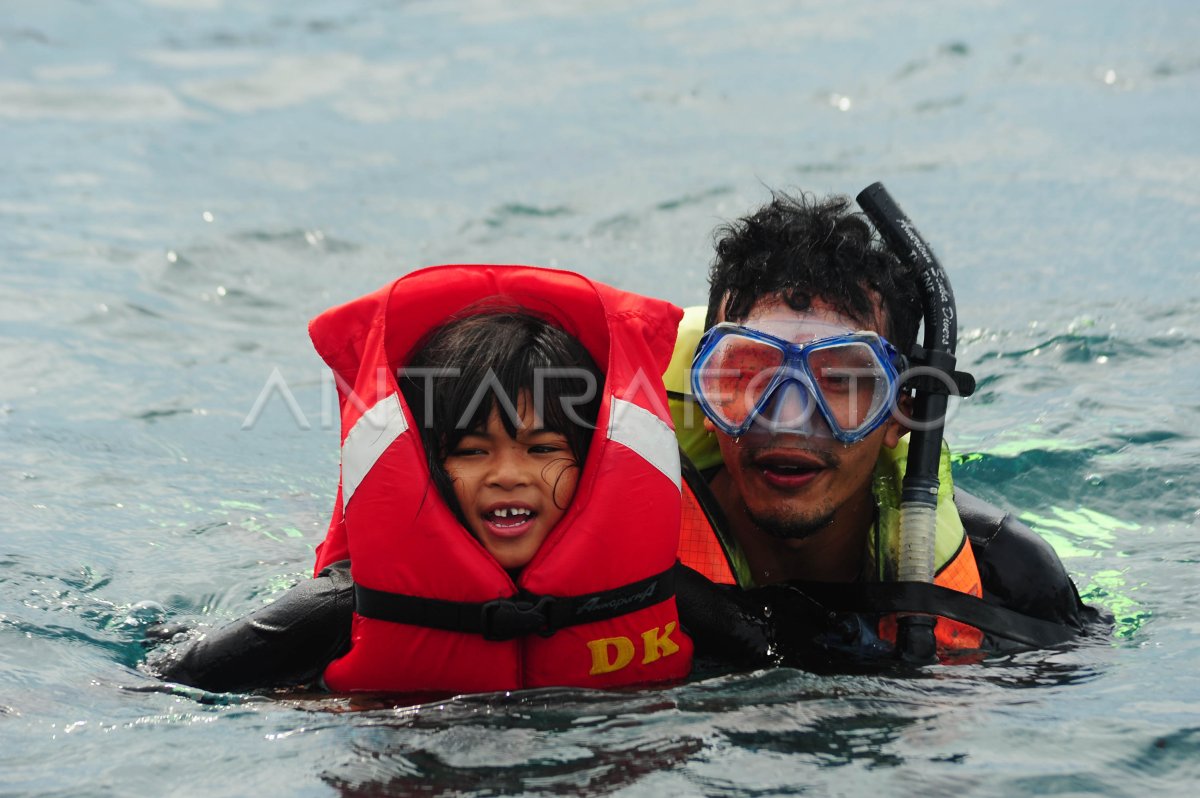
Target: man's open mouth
(790,466)
(788,470)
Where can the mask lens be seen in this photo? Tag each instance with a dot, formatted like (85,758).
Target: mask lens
(735,375)
(852,382)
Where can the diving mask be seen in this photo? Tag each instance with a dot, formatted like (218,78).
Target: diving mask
(741,376)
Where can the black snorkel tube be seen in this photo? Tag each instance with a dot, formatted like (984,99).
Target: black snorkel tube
(931,373)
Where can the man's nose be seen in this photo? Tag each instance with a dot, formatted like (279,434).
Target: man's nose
(792,408)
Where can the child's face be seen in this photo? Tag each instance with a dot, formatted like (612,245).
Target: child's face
(513,491)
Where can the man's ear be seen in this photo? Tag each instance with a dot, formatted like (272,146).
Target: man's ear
(709,426)
(896,426)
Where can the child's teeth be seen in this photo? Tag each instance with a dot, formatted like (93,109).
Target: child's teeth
(505,512)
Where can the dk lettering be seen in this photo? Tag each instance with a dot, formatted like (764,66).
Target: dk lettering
(614,653)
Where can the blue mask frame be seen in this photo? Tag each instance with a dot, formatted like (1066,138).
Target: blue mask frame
(795,368)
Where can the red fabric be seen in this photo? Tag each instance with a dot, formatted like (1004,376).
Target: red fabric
(401,537)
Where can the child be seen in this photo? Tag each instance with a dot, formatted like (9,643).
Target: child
(543,553)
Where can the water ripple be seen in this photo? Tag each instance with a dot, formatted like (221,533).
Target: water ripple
(1074,348)
(28,101)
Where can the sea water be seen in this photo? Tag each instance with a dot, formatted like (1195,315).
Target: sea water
(187,182)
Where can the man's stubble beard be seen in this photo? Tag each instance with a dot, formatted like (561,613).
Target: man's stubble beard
(788,526)
(782,523)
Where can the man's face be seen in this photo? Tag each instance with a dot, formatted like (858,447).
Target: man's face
(792,484)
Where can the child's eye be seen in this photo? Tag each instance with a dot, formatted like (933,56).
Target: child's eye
(545,448)
(465,451)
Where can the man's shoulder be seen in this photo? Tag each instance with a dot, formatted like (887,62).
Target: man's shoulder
(1018,569)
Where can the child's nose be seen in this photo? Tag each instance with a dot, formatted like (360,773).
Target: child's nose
(509,469)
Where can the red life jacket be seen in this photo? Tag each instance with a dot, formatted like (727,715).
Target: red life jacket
(611,554)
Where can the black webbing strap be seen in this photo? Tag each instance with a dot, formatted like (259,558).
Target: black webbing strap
(928,599)
(518,615)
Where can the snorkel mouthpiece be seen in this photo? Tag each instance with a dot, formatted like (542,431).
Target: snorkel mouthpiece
(915,638)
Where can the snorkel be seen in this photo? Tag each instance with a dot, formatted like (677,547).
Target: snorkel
(932,365)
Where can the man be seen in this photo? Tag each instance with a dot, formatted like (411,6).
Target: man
(799,454)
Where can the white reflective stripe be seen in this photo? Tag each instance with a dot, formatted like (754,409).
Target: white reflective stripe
(645,433)
(368,439)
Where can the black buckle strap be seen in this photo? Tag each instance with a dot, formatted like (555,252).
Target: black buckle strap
(929,599)
(518,615)
(504,619)
(936,373)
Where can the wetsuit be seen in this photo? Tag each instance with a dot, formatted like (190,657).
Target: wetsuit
(291,641)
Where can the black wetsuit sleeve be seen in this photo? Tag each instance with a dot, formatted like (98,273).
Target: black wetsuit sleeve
(772,625)
(722,620)
(285,644)
(1021,571)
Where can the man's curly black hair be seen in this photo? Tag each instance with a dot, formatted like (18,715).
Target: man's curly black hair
(801,248)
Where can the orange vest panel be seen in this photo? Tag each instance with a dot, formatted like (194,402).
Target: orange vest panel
(699,548)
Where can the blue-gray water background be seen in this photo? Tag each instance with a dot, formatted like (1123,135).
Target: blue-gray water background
(186,182)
